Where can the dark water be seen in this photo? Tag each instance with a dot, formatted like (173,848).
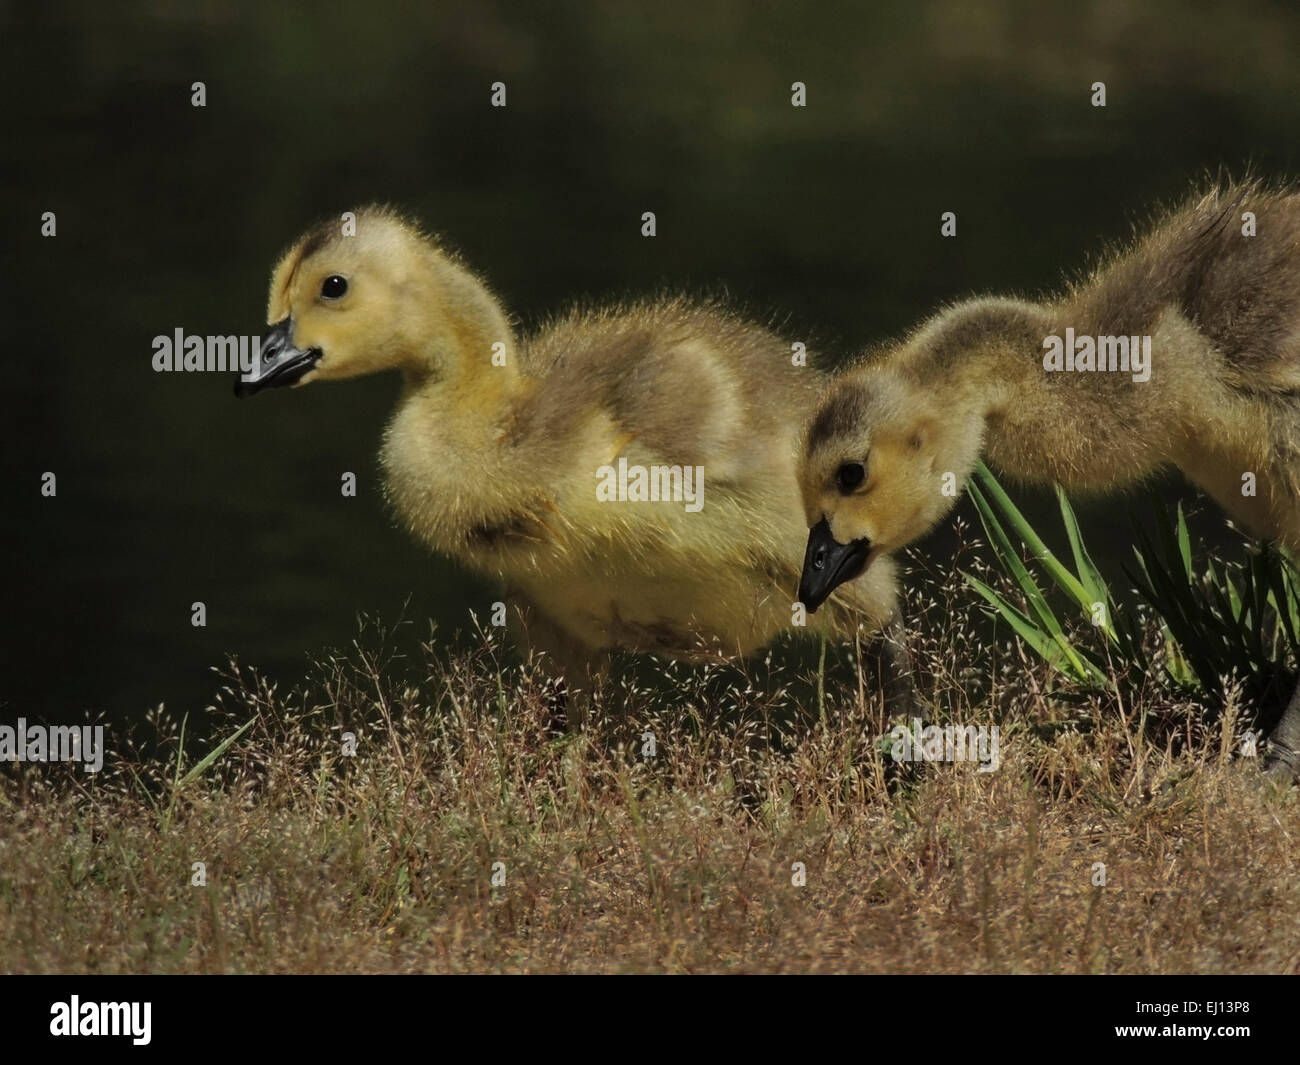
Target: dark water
(170,216)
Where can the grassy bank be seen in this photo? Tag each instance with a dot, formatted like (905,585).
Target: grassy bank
(615,859)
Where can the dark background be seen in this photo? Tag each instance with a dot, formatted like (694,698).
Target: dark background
(827,217)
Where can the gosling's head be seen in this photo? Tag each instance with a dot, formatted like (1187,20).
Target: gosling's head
(872,473)
(356,297)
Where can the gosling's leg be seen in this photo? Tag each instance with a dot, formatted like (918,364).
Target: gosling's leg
(903,700)
(1282,759)
(864,602)
(575,669)
(579,678)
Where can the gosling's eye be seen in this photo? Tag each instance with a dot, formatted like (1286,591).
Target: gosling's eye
(849,476)
(333,287)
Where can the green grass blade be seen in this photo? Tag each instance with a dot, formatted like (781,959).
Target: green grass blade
(1184,543)
(1055,651)
(1011,562)
(1063,578)
(1283,599)
(1089,575)
(211,757)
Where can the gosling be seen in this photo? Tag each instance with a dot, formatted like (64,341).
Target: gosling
(1181,351)
(529,459)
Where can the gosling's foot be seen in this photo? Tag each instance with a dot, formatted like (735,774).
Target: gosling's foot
(903,708)
(1281,763)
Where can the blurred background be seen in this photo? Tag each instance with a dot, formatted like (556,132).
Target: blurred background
(824,217)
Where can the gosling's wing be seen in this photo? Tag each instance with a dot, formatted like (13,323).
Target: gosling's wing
(1228,262)
(662,387)
(691,386)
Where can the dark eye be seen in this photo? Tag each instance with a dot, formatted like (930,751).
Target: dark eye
(849,476)
(333,287)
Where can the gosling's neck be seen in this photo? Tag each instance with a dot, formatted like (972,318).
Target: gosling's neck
(977,355)
(466,345)
(448,455)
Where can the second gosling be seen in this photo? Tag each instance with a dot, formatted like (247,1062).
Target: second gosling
(1212,292)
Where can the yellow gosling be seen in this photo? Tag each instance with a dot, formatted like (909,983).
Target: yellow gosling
(523,457)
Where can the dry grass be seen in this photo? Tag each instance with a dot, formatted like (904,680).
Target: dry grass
(680,862)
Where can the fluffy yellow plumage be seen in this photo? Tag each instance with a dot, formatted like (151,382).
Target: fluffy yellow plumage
(495,453)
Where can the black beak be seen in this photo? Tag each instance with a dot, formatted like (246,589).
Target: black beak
(278,362)
(828,564)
